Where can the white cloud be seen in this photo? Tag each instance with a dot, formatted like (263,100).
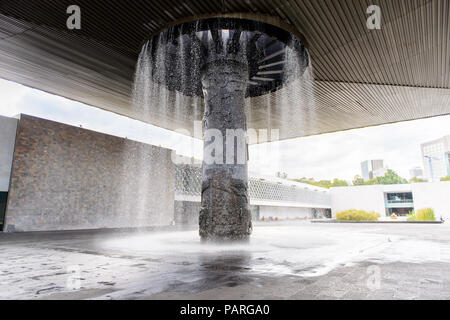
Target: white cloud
(339,154)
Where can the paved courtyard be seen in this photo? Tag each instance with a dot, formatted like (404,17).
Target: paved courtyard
(296,260)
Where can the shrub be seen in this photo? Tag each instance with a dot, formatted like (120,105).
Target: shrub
(426,214)
(412,216)
(357,215)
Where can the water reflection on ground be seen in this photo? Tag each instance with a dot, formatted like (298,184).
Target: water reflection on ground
(282,260)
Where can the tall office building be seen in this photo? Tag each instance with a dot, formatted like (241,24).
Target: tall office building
(436,158)
(371,169)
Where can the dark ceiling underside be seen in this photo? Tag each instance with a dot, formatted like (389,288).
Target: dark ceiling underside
(362,77)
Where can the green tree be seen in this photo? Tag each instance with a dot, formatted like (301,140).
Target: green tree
(358,181)
(391,177)
(339,183)
(417,180)
(447,178)
(323,183)
(371,182)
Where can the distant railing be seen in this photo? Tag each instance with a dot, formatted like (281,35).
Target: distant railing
(400,201)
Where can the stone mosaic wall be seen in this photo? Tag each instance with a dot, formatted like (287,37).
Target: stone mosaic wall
(66,178)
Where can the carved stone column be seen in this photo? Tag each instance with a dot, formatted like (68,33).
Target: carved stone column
(224,213)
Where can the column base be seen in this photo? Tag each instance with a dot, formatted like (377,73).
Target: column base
(225,232)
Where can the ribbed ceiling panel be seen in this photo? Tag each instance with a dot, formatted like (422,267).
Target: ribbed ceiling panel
(361,77)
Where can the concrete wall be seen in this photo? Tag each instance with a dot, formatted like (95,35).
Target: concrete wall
(369,198)
(65,177)
(285,212)
(434,195)
(8,128)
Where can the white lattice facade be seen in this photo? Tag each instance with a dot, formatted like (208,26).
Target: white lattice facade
(262,191)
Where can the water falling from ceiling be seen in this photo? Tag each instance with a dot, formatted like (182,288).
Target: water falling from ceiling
(167,86)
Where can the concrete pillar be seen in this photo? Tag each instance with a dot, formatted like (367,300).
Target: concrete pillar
(224,214)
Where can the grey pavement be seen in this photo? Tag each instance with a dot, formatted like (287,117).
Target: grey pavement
(295,260)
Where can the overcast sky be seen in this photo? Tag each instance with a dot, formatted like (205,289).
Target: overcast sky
(327,156)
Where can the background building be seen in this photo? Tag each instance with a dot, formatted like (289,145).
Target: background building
(270,197)
(371,169)
(399,198)
(436,158)
(416,172)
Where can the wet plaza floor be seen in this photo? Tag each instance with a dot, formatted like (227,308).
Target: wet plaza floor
(295,260)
